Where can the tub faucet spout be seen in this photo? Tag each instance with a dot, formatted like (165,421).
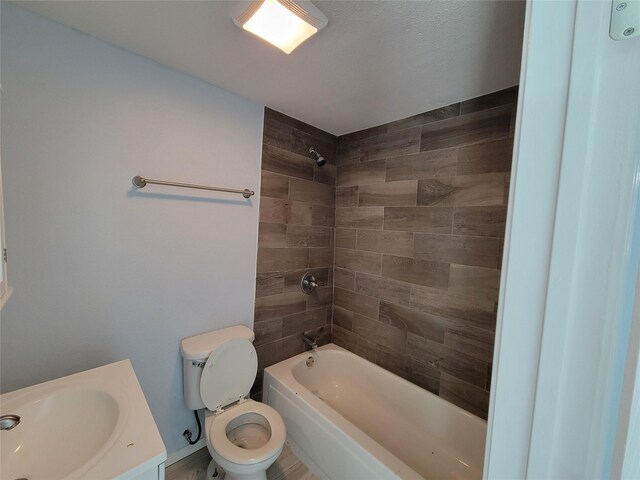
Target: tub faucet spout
(309,341)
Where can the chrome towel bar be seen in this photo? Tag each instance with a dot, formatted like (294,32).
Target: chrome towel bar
(141,182)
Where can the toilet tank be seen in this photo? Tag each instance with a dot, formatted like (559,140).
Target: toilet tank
(196,350)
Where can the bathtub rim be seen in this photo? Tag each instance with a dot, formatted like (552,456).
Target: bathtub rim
(286,366)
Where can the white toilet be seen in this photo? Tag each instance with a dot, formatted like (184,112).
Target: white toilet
(243,437)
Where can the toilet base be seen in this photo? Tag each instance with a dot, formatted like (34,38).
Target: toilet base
(215,472)
(253,476)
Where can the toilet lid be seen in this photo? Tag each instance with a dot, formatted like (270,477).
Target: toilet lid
(229,373)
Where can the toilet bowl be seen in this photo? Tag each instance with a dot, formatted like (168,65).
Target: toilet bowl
(245,440)
(243,437)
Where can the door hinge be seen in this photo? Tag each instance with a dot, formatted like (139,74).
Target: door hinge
(625,19)
(4,255)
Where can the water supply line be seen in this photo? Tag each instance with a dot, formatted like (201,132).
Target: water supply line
(187,433)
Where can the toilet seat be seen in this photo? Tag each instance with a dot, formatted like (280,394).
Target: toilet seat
(228,374)
(217,433)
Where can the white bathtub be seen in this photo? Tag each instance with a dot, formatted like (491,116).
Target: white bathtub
(350,419)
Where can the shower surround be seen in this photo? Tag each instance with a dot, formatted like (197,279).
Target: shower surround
(420,207)
(295,236)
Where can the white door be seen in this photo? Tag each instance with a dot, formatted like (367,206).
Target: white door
(571,255)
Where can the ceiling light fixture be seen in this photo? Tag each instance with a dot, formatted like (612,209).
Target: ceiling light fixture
(283,23)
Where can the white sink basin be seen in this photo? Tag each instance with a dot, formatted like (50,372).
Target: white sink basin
(92,425)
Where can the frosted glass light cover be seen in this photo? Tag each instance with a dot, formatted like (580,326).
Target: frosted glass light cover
(279,26)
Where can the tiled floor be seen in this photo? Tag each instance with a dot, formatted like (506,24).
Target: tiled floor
(194,467)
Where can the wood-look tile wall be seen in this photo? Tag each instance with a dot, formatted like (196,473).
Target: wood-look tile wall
(420,216)
(297,214)
(403,229)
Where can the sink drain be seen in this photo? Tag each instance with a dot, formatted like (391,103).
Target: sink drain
(7,422)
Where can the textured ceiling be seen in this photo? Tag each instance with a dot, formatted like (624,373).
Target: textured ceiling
(374,63)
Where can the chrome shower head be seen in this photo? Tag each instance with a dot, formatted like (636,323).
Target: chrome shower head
(320,161)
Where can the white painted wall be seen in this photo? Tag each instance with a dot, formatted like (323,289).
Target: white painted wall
(101,271)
